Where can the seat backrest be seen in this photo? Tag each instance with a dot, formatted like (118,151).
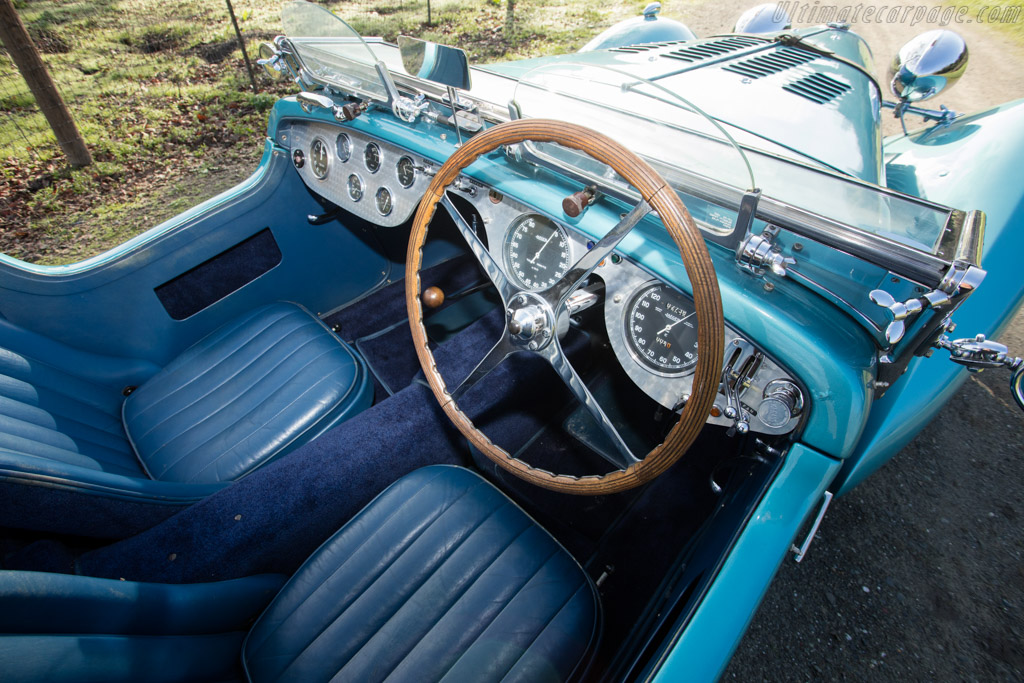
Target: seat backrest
(63,404)
(57,627)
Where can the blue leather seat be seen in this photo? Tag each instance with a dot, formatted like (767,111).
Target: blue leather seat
(250,391)
(441,577)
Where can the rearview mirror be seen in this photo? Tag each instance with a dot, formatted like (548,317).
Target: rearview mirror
(432,62)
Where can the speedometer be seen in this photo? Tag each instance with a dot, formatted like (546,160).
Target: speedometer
(536,252)
(662,330)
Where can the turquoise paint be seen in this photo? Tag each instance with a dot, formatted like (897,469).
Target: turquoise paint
(943,165)
(843,134)
(712,634)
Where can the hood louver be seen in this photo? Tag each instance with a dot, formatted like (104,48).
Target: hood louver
(818,88)
(715,48)
(773,63)
(644,47)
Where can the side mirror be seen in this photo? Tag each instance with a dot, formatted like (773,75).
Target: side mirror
(927,65)
(271,61)
(767,18)
(442,64)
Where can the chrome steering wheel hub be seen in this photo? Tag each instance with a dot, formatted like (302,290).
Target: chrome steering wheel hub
(530,320)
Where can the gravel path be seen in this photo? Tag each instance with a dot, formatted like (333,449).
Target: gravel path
(917,575)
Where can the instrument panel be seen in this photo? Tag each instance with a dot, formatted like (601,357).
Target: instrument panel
(651,325)
(373,179)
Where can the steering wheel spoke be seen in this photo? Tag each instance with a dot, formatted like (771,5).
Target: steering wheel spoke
(499,352)
(487,262)
(622,457)
(558,293)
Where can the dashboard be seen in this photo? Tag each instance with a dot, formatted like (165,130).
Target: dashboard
(650,323)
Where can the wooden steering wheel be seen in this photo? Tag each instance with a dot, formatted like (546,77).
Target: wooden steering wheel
(531,317)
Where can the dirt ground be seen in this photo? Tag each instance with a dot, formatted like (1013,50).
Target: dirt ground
(917,575)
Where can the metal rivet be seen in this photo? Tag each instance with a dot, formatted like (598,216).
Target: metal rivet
(617,298)
(238,518)
(769,287)
(798,246)
(533,346)
(172,557)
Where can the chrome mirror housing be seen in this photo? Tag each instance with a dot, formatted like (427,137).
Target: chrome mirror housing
(271,61)
(927,65)
(767,18)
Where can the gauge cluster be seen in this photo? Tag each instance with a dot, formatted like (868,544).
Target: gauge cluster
(368,177)
(652,326)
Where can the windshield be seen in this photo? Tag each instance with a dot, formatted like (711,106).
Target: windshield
(330,51)
(690,150)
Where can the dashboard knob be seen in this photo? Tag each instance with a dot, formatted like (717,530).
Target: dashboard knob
(433,297)
(577,202)
(781,403)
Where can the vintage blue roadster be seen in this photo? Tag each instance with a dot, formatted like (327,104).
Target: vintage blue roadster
(531,371)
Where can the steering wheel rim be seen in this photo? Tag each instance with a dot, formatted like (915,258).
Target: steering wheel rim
(658,196)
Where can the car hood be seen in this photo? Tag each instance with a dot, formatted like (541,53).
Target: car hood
(807,95)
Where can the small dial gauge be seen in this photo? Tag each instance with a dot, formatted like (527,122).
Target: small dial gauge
(662,330)
(406,172)
(371,155)
(319,159)
(343,146)
(536,252)
(355,187)
(383,201)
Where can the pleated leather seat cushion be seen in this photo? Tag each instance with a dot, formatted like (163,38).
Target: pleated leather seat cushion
(440,578)
(243,395)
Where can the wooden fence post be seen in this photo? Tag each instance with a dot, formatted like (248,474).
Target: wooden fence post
(26,57)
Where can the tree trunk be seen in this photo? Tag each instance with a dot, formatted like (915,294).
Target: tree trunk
(25,56)
(510,8)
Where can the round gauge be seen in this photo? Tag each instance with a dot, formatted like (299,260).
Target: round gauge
(319,159)
(383,201)
(371,155)
(355,187)
(536,252)
(662,330)
(343,146)
(406,172)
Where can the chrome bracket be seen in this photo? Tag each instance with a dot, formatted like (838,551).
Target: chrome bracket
(958,282)
(801,551)
(978,353)
(757,253)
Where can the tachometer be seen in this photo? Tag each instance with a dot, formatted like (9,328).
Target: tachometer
(662,330)
(536,252)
